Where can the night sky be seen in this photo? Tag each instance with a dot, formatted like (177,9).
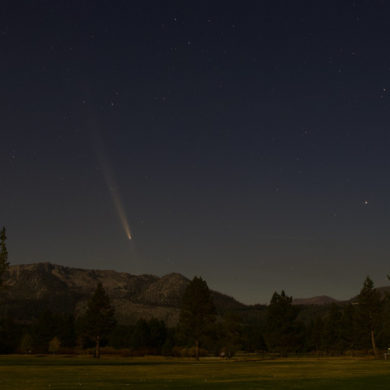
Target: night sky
(246,142)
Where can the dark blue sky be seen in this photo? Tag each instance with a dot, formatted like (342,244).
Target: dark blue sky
(248,141)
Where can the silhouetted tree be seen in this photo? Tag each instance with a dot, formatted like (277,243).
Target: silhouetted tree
(158,334)
(349,331)
(253,330)
(314,334)
(197,314)
(148,336)
(3,254)
(99,318)
(44,328)
(382,336)
(369,310)
(282,330)
(141,335)
(252,338)
(332,330)
(10,335)
(66,330)
(230,334)
(122,336)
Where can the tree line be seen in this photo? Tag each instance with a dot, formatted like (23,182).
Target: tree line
(281,327)
(359,326)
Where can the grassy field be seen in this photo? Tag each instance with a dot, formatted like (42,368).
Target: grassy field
(19,372)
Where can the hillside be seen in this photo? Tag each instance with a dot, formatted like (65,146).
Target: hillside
(320,300)
(32,287)
(384,292)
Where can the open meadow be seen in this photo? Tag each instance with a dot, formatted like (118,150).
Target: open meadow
(20,372)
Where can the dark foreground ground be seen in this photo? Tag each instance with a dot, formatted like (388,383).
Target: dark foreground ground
(59,372)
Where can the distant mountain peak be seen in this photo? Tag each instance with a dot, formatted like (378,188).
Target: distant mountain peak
(318,300)
(63,288)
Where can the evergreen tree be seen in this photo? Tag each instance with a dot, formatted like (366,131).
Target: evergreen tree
(369,311)
(99,318)
(10,335)
(197,314)
(44,329)
(252,338)
(314,334)
(122,336)
(349,332)
(66,330)
(332,331)
(148,336)
(158,334)
(230,334)
(253,330)
(383,334)
(282,330)
(3,254)
(141,338)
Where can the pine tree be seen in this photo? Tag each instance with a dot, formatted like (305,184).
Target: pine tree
(315,334)
(141,338)
(44,329)
(230,334)
(197,315)
(369,310)
(3,254)
(349,332)
(99,318)
(282,330)
(332,330)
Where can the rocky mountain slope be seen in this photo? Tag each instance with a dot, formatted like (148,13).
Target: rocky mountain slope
(32,287)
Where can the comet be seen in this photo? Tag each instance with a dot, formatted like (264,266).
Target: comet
(112,186)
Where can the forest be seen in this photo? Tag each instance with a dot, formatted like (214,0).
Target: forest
(359,326)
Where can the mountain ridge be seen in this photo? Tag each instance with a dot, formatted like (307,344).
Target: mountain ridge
(317,300)
(133,296)
(29,288)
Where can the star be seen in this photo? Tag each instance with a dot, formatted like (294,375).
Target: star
(12,155)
